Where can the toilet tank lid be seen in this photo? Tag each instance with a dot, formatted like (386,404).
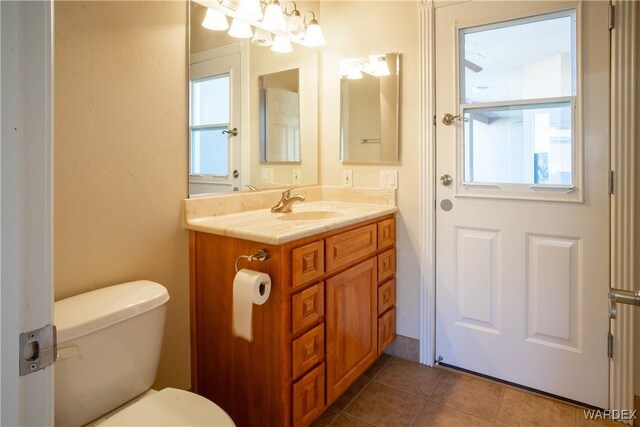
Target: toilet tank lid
(91,311)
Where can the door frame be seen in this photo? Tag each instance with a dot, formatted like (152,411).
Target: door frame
(26,199)
(623,203)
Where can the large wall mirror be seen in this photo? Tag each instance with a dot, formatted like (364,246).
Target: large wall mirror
(369,108)
(253,112)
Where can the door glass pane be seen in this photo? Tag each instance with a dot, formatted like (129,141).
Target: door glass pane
(522,144)
(210,101)
(530,58)
(209,151)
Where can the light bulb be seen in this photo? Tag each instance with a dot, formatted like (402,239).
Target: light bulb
(240,29)
(295,25)
(215,20)
(314,36)
(281,45)
(354,73)
(250,10)
(380,67)
(262,38)
(273,17)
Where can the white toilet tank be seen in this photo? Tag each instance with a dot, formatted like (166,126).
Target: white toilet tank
(109,344)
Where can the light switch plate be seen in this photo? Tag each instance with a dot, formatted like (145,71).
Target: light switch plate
(267,175)
(297,176)
(347,178)
(389,178)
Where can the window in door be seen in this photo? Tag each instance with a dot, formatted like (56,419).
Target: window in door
(210,105)
(518,98)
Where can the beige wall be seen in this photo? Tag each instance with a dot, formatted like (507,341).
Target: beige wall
(357,29)
(637,350)
(121,156)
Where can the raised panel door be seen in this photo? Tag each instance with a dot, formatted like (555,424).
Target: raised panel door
(351,326)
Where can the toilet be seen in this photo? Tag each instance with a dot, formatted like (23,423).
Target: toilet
(109,344)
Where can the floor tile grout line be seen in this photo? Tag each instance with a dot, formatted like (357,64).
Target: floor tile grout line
(418,412)
(359,393)
(342,411)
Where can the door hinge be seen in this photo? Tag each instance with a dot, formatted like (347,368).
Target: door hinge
(612,17)
(611,181)
(38,349)
(610,345)
(435,121)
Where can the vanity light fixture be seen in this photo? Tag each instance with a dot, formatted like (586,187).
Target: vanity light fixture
(295,23)
(375,66)
(215,20)
(281,44)
(262,38)
(378,65)
(314,36)
(240,29)
(286,26)
(249,10)
(273,17)
(354,73)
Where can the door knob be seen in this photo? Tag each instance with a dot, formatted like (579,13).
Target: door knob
(446,180)
(448,119)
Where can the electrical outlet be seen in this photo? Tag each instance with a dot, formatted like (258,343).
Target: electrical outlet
(347,178)
(389,179)
(297,176)
(267,175)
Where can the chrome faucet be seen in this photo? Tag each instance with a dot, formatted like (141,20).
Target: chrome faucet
(285,204)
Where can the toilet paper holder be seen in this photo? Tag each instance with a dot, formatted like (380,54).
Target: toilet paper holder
(260,255)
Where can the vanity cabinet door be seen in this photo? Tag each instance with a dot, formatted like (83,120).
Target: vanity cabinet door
(351,321)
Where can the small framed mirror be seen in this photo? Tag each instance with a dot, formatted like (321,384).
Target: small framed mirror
(279,117)
(369,108)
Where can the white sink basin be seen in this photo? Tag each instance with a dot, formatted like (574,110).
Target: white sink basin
(308,216)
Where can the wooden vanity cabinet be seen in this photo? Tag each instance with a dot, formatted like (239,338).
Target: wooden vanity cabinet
(330,314)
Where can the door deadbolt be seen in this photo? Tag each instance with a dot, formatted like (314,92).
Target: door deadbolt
(446,180)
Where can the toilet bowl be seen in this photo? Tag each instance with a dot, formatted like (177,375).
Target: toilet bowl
(109,344)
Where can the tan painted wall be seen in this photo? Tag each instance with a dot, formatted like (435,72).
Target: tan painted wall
(121,156)
(357,29)
(637,350)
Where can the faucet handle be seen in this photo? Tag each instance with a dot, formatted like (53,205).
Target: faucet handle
(287,192)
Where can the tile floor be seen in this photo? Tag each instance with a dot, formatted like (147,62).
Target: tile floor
(396,392)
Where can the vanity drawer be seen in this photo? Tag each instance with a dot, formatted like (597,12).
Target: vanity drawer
(386,296)
(350,246)
(307,308)
(386,330)
(386,233)
(386,265)
(307,351)
(307,263)
(308,397)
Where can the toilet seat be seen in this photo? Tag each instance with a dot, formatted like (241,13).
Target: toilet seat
(170,407)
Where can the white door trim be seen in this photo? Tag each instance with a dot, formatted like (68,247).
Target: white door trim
(623,204)
(26,280)
(427,330)
(624,135)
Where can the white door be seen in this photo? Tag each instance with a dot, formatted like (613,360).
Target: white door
(214,123)
(522,244)
(283,131)
(26,285)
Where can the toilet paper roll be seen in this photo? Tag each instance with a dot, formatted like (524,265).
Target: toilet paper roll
(249,288)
